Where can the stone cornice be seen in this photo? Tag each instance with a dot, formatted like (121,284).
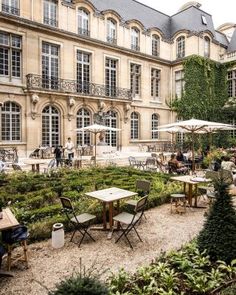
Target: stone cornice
(69,35)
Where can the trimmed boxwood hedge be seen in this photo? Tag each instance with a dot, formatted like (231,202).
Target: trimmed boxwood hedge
(35,197)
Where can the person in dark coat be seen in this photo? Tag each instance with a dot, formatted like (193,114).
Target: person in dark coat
(58,153)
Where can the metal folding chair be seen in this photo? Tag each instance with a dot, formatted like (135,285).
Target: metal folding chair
(131,220)
(80,222)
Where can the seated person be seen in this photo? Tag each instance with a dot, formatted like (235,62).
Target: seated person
(180,156)
(176,166)
(227,164)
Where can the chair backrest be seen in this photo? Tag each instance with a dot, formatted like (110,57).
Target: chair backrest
(132,161)
(140,206)
(16,167)
(143,185)
(52,163)
(68,208)
(172,167)
(151,162)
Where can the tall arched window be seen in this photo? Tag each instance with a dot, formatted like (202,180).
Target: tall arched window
(111,31)
(50,126)
(134,125)
(207,43)
(155,45)
(83,22)
(155,123)
(83,119)
(11,122)
(180,47)
(135,39)
(111,121)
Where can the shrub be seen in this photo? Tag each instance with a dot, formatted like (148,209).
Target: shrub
(218,236)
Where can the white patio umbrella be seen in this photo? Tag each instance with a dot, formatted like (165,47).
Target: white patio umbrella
(95,129)
(194,126)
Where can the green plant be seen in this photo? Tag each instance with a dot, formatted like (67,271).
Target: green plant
(218,236)
(84,283)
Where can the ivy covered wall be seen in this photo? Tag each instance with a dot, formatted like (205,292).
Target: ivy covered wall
(205,90)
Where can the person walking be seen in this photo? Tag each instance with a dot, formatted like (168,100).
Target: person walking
(69,146)
(58,153)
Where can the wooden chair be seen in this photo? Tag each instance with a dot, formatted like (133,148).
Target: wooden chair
(17,235)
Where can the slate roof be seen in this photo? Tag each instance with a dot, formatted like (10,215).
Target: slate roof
(187,19)
(232,44)
(129,9)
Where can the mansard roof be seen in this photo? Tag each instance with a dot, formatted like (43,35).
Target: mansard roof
(232,44)
(130,9)
(188,19)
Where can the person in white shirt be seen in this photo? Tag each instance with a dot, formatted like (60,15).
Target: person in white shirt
(2,166)
(69,146)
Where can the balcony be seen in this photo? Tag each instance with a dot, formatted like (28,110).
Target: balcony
(111,40)
(50,21)
(37,82)
(83,32)
(135,47)
(10,9)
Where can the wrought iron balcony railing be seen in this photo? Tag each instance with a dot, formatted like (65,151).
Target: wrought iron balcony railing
(83,32)
(135,47)
(10,9)
(50,21)
(111,40)
(37,82)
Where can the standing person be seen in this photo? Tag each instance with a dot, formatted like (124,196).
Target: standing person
(69,146)
(58,153)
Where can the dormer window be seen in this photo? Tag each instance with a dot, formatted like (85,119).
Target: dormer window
(135,39)
(155,45)
(207,44)
(83,22)
(180,47)
(11,7)
(50,13)
(111,31)
(204,20)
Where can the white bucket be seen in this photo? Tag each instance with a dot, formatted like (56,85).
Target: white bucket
(58,235)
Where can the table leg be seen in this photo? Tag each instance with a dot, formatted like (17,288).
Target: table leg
(37,168)
(190,194)
(118,211)
(111,215)
(33,167)
(104,216)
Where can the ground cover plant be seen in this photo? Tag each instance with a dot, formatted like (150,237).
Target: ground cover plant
(35,197)
(186,272)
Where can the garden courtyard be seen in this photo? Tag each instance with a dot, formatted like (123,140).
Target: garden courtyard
(161,231)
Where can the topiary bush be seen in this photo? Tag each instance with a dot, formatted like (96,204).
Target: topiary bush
(218,237)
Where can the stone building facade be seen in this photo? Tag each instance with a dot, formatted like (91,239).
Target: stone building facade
(64,64)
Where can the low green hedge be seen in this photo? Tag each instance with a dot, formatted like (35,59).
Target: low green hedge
(35,197)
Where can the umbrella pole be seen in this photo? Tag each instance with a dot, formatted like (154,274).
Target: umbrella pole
(193,156)
(95,148)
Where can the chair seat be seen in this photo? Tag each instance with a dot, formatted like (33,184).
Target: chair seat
(126,218)
(82,218)
(132,202)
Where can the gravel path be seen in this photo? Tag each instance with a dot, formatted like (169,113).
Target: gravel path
(162,231)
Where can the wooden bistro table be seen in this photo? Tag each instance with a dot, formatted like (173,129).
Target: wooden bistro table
(35,164)
(8,221)
(192,183)
(108,196)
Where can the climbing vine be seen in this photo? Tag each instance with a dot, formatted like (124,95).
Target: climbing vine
(205,91)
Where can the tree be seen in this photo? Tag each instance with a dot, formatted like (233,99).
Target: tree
(218,236)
